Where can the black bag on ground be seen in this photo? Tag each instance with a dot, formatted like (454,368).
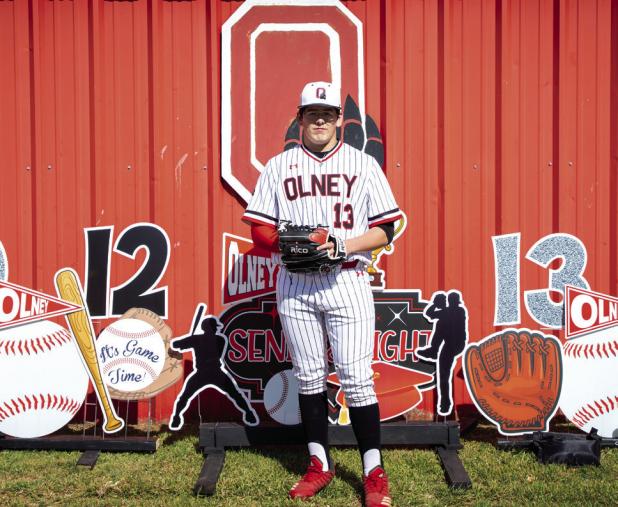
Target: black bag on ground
(567,448)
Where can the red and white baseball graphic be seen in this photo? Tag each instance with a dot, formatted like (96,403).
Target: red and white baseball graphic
(281,398)
(44,380)
(131,353)
(589,395)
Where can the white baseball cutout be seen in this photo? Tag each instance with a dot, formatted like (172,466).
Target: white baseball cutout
(131,354)
(281,398)
(589,397)
(44,380)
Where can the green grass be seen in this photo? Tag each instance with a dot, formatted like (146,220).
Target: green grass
(262,477)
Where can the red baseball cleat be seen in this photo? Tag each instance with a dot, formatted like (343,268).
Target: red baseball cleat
(376,488)
(313,481)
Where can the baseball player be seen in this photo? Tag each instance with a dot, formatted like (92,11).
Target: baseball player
(324,181)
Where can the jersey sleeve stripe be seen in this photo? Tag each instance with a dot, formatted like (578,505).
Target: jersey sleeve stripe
(385,214)
(251,220)
(385,220)
(259,218)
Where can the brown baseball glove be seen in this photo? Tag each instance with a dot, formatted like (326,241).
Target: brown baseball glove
(299,253)
(514,378)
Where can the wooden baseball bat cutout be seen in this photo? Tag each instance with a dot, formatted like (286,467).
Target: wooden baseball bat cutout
(68,287)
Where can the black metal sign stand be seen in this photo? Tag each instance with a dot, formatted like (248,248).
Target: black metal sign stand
(216,437)
(527,441)
(79,443)
(91,445)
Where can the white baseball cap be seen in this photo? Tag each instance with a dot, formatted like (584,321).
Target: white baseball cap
(320,93)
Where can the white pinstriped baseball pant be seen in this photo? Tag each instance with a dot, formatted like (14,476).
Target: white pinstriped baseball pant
(338,305)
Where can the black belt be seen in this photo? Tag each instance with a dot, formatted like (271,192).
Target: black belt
(350,265)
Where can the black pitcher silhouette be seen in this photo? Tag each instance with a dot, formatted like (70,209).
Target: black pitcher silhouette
(447,342)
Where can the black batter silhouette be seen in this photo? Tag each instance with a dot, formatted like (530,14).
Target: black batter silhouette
(447,342)
(208,370)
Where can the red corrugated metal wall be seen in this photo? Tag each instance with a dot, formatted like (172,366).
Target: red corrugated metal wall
(498,116)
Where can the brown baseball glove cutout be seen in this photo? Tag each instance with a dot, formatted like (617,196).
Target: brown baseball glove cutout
(515,379)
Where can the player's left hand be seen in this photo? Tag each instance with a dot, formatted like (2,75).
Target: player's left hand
(336,247)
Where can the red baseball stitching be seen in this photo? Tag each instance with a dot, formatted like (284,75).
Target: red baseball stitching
(591,350)
(594,409)
(130,334)
(131,360)
(284,394)
(32,346)
(25,403)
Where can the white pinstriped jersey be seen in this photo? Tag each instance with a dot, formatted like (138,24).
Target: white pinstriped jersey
(345,191)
